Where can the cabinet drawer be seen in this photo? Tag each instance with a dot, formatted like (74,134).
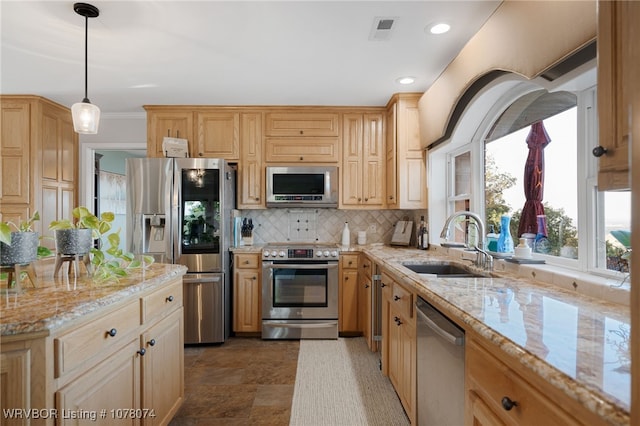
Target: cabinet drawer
(247,261)
(162,301)
(95,339)
(402,300)
(493,381)
(349,261)
(365,268)
(301,124)
(308,150)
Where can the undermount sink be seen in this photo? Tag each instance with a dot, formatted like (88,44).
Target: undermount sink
(441,270)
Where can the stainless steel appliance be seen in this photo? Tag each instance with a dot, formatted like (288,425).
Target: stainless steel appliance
(300,292)
(302,186)
(178,210)
(440,368)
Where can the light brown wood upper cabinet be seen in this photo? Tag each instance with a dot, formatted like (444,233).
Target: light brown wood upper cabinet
(168,123)
(614,65)
(302,136)
(217,135)
(363,160)
(406,161)
(250,167)
(39,151)
(211,132)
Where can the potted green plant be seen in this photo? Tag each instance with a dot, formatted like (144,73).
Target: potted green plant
(109,264)
(20,246)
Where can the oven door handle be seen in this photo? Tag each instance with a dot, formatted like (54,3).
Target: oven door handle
(300,325)
(271,265)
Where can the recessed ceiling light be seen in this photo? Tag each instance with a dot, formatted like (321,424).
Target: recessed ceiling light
(440,28)
(406,80)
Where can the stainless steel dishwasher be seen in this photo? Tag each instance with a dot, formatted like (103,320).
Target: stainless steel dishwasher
(440,368)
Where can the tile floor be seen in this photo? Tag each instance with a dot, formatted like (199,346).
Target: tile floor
(245,381)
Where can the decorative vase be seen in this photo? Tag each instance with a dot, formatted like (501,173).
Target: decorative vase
(541,243)
(505,241)
(23,249)
(73,241)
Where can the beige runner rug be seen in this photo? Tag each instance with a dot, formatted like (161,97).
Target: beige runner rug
(338,382)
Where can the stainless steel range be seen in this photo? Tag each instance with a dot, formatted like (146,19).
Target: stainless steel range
(300,291)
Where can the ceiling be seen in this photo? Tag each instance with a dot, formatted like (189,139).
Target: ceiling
(229,52)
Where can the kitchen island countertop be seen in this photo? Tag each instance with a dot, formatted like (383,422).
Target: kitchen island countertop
(55,301)
(577,343)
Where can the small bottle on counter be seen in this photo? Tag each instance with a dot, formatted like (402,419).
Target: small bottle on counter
(346,235)
(492,239)
(423,235)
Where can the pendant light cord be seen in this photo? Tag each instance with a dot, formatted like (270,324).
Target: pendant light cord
(86,61)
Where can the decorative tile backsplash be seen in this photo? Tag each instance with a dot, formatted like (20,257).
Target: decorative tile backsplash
(325,225)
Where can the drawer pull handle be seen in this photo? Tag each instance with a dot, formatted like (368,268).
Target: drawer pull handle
(152,342)
(396,298)
(366,286)
(383,285)
(397,320)
(142,351)
(246,262)
(508,404)
(112,332)
(170,299)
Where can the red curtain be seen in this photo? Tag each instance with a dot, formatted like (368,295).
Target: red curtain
(537,140)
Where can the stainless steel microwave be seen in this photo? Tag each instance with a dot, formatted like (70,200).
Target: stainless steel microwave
(302,186)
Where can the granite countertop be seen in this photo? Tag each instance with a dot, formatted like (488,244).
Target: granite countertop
(576,343)
(57,300)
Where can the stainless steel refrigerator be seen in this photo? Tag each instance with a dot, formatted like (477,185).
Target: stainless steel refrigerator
(179,211)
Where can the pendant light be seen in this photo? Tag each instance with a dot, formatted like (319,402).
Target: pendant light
(86,116)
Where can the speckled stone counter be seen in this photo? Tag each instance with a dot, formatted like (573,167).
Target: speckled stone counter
(58,300)
(574,342)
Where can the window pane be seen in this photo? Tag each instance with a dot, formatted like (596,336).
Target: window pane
(617,227)
(463,174)
(505,160)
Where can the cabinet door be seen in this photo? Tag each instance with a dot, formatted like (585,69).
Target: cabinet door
(111,386)
(15,379)
(175,124)
(247,307)
(163,369)
(349,301)
(15,148)
(373,160)
(407,390)
(479,413)
(218,135)
(392,165)
(614,23)
(250,169)
(393,348)
(352,146)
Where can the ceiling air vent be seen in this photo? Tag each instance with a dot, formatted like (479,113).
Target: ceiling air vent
(382,28)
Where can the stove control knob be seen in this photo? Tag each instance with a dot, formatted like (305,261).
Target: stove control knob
(281,253)
(319,253)
(274,253)
(265,253)
(326,253)
(334,253)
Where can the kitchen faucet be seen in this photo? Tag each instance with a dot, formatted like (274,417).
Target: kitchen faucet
(483,259)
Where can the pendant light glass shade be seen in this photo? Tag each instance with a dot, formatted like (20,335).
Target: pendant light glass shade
(86,116)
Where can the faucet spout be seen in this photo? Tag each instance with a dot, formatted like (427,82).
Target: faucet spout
(479,223)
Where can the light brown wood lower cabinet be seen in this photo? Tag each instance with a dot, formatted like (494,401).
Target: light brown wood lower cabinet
(247,293)
(399,342)
(124,363)
(496,394)
(348,297)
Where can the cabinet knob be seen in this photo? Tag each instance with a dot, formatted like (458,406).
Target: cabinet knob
(152,342)
(366,199)
(254,278)
(301,158)
(396,298)
(508,404)
(391,197)
(382,284)
(142,351)
(599,151)
(397,320)
(346,278)
(169,299)
(200,154)
(302,132)
(112,332)
(366,286)
(257,198)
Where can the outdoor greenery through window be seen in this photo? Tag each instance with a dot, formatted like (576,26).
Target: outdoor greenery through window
(505,160)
